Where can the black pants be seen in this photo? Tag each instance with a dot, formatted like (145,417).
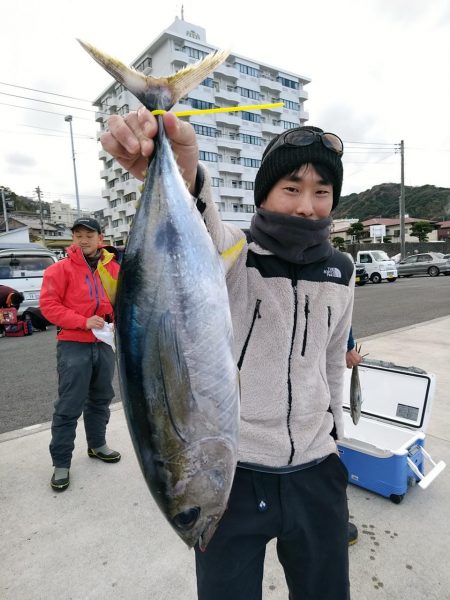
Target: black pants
(306,511)
(85,373)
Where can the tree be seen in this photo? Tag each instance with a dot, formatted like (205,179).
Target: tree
(356,230)
(339,243)
(421,229)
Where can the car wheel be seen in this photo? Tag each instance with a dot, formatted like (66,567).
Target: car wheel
(375,278)
(433,271)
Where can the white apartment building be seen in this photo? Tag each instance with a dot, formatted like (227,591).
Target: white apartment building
(62,213)
(230,143)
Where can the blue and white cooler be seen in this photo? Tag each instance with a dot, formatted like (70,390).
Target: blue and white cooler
(385,451)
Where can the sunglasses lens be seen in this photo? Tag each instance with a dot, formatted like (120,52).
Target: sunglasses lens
(332,142)
(300,138)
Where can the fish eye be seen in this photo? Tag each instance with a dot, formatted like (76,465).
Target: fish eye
(186,519)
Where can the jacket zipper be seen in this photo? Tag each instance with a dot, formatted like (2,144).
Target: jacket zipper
(256,313)
(305,331)
(329,316)
(294,328)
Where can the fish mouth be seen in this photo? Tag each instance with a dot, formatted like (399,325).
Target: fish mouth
(207,533)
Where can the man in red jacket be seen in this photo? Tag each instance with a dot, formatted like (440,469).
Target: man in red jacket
(77,295)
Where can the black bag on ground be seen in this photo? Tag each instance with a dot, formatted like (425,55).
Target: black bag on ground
(38,321)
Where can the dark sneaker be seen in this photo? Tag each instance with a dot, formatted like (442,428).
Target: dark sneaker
(112,457)
(59,485)
(352,534)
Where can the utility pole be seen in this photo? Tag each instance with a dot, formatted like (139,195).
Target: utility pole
(68,119)
(5,212)
(38,192)
(402,200)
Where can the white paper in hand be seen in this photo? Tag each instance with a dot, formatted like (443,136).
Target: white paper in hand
(106,334)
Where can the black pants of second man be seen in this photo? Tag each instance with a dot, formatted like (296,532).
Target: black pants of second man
(306,511)
(85,373)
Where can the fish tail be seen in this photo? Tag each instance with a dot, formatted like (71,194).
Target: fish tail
(157,92)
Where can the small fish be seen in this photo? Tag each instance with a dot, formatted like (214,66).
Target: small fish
(178,374)
(355,393)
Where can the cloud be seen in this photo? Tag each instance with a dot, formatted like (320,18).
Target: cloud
(20,162)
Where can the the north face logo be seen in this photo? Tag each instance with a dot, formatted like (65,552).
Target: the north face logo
(333,272)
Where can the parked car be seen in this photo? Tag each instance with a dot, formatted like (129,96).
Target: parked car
(378,265)
(22,267)
(361,275)
(429,263)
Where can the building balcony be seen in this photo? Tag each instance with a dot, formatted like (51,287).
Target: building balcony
(228,119)
(270,84)
(303,94)
(225,94)
(303,116)
(130,209)
(231,192)
(269,127)
(225,141)
(106,193)
(100,117)
(229,71)
(107,212)
(104,173)
(229,167)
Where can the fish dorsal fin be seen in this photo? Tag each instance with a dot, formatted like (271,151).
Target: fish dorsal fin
(157,92)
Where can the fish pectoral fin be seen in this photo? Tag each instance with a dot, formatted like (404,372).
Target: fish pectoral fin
(177,391)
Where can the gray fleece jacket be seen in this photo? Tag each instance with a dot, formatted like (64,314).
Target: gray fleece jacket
(291,324)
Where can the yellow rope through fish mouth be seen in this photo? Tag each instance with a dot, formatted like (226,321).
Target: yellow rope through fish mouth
(189,113)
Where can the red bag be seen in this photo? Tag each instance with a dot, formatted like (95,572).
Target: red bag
(8,316)
(19,330)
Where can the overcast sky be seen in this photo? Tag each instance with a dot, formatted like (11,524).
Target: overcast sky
(379,71)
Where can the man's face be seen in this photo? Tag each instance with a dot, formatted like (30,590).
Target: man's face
(304,194)
(87,239)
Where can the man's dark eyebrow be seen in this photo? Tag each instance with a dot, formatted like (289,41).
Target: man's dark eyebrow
(296,179)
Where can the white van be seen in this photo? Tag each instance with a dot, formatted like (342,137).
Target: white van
(22,267)
(378,265)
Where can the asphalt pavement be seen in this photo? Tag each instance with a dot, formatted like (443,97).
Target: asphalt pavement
(104,538)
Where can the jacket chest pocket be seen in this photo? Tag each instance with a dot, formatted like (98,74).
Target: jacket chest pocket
(256,315)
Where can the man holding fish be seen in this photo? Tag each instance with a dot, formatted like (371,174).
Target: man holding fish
(291,299)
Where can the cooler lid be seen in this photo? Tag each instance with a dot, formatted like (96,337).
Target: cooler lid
(399,395)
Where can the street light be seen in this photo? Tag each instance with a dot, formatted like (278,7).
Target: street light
(68,119)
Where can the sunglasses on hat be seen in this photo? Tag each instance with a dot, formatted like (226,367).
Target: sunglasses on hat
(306,137)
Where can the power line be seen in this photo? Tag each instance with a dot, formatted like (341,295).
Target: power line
(91,110)
(43,92)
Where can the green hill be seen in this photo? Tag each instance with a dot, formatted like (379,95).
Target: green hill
(424,202)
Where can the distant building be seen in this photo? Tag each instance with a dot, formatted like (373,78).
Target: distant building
(443,231)
(231,143)
(54,237)
(65,214)
(392,230)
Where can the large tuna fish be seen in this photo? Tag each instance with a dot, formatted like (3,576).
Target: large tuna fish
(177,371)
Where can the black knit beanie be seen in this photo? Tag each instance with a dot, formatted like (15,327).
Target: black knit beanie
(285,159)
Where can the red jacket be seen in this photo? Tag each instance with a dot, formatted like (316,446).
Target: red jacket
(71,294)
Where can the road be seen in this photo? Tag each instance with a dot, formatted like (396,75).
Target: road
(28,365)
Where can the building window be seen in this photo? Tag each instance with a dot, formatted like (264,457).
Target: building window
(208,82)
(208,156)
(204,130)
(248,185)
(123,110)
(130,197)
(250,162)
(248,116)
(246,93)
(125,177)
(247,70)
(147,62)
(216,181)
(288,103)
(288,83)
(112,183)
(200,104)
(251,139)
(287,124)
(194,53)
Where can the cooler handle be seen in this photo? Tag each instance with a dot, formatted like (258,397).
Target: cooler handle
(425,480)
